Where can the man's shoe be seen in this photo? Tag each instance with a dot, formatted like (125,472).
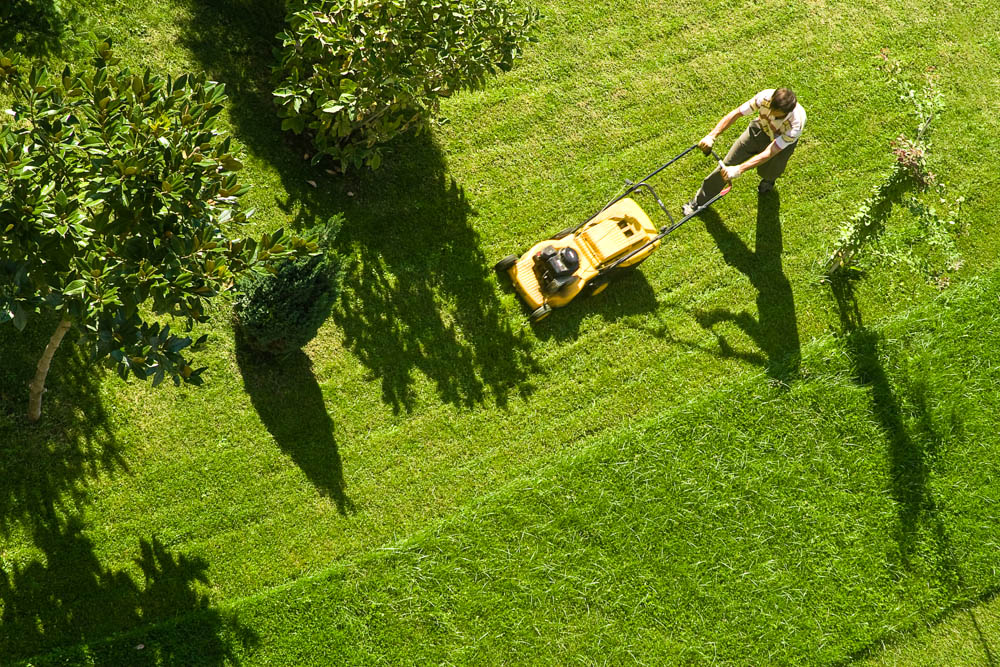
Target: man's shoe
(688,209)
(764,187)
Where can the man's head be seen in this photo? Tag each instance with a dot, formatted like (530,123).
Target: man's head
(783,102)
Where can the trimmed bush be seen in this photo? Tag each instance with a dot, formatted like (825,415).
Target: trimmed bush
(278,313)
(353,75)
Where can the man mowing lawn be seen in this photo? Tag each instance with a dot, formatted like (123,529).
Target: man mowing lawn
(766,144)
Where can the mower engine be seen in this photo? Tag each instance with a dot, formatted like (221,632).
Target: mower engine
(555,268)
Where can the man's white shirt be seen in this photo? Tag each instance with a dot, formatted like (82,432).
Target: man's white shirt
(784,131)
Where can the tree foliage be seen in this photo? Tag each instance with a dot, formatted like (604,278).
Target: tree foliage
(355,74)
(116,189)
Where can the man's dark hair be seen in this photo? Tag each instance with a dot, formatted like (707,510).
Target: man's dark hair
(784,100)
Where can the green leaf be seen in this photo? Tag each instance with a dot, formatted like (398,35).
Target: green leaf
(20,318)
(75,288)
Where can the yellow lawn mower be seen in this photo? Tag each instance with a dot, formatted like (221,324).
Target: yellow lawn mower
(584,258)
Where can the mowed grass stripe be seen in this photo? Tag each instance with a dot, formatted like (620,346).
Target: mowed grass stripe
(755,524)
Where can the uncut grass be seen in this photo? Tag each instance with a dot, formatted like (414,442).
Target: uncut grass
(754,524)
(426,389)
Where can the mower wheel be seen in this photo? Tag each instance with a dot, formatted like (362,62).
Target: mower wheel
(505,264)
(596,286)
(540,313)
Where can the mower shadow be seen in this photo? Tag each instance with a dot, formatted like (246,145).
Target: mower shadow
(774,329)
(290,403)
(68,597)
(627,295)
(46,465)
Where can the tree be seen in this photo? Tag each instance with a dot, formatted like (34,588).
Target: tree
(356,74)
(115,192)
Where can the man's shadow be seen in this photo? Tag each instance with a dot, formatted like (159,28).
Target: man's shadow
(774,329)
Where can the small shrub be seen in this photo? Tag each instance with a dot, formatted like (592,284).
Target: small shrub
(353,75)
(278,313)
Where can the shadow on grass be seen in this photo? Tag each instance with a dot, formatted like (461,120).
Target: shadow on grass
(34,27)
(914,442)
(46,465)
(290,403)
(419,297)
(627,295)
(774,329)
(68,597)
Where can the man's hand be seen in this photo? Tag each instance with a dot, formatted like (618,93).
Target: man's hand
(730,174)
(706,144)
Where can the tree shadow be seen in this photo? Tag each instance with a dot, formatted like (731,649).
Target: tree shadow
(67,598)
(419,297)
(35,27)
(774,329)
(910,449)
(234,42)
(46,465)
(289,401)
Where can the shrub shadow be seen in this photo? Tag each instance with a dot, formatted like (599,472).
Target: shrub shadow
(67,598)
(912,450)
(46,465)
(289,401)
(774,329)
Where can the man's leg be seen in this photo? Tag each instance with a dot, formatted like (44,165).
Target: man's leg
(773,168)
(752,141)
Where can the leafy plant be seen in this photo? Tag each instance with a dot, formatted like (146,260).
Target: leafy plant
(910,174)
(278,313)
(353,75)
(115,188)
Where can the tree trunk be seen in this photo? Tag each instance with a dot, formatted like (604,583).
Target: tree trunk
(37,385)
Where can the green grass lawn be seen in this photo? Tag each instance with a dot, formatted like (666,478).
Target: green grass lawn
(427,393)
(862,509)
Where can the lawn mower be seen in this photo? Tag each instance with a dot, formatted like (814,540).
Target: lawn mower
(585,257)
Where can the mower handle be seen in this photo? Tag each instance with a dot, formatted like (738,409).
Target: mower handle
(631,187)
(663,232)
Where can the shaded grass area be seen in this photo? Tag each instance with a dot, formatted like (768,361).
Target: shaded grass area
(967,636)
(427,390)
(756,523)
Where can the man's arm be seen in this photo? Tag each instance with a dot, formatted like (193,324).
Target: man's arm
(730,173)
(720,127)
